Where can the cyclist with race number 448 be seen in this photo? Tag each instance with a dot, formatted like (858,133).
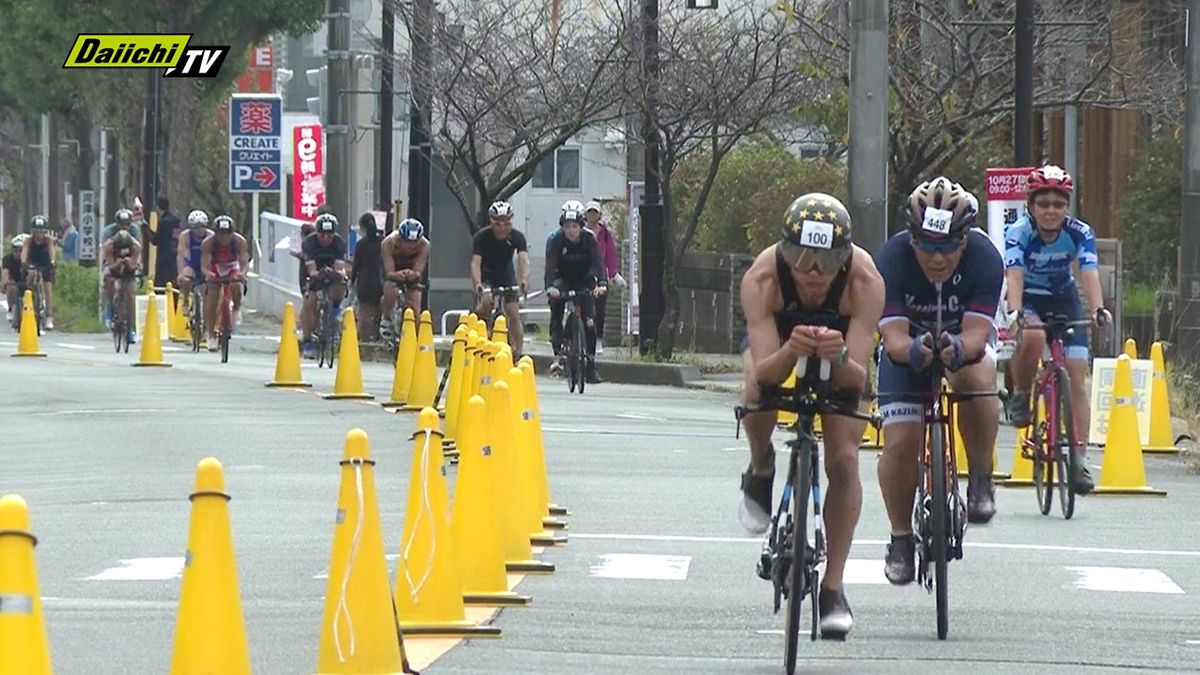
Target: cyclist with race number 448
(941,262)
(574,263)
(1038,251)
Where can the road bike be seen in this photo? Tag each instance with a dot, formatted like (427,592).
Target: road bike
(123,309)
(329,324)
(395,321)
(574,348)
(225,324)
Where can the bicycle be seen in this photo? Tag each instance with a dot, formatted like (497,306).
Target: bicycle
(395,321)
(790,559)
(1053,442)
(39,301)
(501,296)
(196,315)
(224,324)
(329,329)
(574,348)
(122,310)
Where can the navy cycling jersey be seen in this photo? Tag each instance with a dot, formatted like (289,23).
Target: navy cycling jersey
(973,288)
(1048,265)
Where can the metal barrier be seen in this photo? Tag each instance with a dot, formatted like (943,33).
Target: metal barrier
(524,311)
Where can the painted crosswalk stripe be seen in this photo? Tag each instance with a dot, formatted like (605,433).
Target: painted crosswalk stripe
(642,566)
(1124,580)
(142,569)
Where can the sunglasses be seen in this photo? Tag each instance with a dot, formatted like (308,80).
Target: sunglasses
(943,247)
(1051,203)
(804,258)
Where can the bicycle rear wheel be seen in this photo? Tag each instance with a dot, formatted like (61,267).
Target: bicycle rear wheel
(1044,436)
(940,533)
(573,355)
(801,476)
(580,339)
(1065,448)
(37,306)
(226,327)
(196,321)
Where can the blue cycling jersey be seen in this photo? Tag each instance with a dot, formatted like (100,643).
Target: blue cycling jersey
(1047,265)
(973,288)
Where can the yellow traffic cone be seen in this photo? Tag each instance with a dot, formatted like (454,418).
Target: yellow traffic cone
(347,383)
(172,324)
(873,435)
(1123,471)
(514,533)
(27,341)
(784,418)
(406,354)
(500,330)
(527,467)
(960,452)
(458,355)
(181,330)
(210,632)
(287,363)
(358,629)
(429,588)
(476,522)
(486,366)
(1131,348)
(1162,439)
(482,329)
(424,375)
(471,357)
(151,341)
(23,645)
(1022,471)
(550,521)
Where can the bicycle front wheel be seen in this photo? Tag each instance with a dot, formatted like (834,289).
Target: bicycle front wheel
(798,574)
(574,356)
(1043,437)
(581,349)
(941,527)
(1066,447)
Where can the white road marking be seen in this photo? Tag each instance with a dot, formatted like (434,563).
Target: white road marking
(68,345)
(391,557)
(142,569)
(881,542)
(170,348)
(1124,580)
(642,566)
(1193,642)
(770,631)
(864,572)
(639,416)
(99,411)
(8,344)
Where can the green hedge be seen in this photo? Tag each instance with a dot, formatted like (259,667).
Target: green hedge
(76,298)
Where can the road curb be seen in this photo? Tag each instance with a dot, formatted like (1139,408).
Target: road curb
(617,372)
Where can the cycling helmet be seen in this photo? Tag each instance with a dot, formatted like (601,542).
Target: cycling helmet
(1049,177)
(198,218)
(411,229)
(39,223)
(500,210)
(19,241)
(122,239)
(124,217)
(327,222)
(940,211)
(571,214)
(223,224)
(816,232)
(572,205)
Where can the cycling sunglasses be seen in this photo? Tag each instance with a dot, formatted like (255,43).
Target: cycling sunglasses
(943,247)
(805,258)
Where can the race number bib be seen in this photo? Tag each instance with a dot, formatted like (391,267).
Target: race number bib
(1053,173)
(937,220)
(816,234)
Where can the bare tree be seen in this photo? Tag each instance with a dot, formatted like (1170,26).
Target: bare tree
(725,76)
(508,88)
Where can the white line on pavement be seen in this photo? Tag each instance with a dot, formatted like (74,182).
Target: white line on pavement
(770,631)
(68,345)
(642,566)
(99,411)
(639,416)
(881,542)
(142,569)
(1124,580)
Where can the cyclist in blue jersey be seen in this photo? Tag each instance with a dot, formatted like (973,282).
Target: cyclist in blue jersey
(188,256)
(941,260)
(1038,252)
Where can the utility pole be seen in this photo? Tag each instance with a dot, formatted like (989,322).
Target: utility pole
(420,149)
(1188,333)
(383,176)
(337,54)
(868,160)
(651,297)
(1023,85)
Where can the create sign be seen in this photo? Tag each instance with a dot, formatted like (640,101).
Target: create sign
(308,177)
(255,152)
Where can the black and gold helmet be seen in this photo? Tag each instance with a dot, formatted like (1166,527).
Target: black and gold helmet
(816,233)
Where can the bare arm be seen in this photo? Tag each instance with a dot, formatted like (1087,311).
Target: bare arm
(421,259)
(976,330)
(860,335)
(773,362)
(523,268)
(1090,280)
(476,273)
(243,254)
(25,252)
(181,250)
(896,340)
(1016,288)
(389,261)
(206,254)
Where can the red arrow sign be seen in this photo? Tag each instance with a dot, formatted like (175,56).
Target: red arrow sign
(265,176)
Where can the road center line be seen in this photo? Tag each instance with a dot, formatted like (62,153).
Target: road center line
(881,542)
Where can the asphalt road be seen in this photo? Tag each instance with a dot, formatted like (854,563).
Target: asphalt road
(658,575)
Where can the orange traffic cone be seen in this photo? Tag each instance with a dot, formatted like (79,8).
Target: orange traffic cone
(424,376)
(151,342)
(27,342)
(210,632)
(287,363)
(1162,440)
(23,645)
(429,588)
(1123,471)
(347,383)
(359,627)
(552,512)
(477,524)
(406,355)
(514,530)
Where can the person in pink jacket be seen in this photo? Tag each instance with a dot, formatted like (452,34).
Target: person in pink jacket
(612,263)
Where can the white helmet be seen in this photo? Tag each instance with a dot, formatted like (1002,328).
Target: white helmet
(500,210)
(572,205)
(19,241)
(197,218)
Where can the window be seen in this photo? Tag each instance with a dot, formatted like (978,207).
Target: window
(559,170)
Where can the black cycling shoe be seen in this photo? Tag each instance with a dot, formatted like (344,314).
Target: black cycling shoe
(981,500)
(900,565)
(836,617)
(755,508)
(1081,479)
(1017,407)
(592,375)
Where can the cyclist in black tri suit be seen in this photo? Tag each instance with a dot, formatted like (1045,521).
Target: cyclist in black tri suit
(939,247)
(492,252)
(325,261)
(38,254)
(574,263)
(812,294)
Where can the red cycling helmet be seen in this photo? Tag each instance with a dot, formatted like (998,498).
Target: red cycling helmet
(1049,177)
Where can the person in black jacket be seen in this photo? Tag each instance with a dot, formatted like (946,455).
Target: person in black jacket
(574,263)
(367,277)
